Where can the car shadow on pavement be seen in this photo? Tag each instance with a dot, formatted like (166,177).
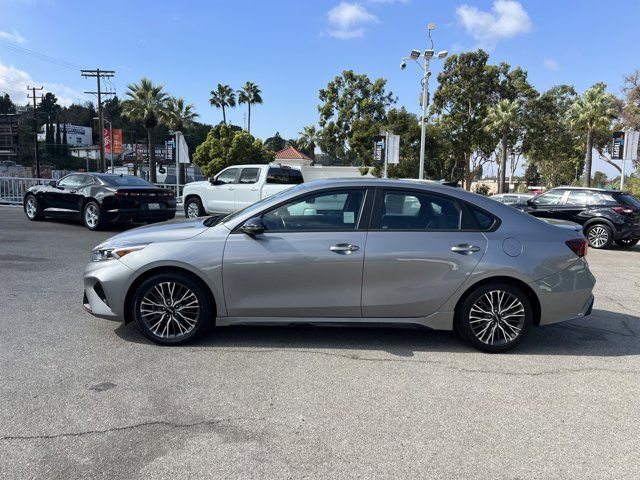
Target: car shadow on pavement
(603,334)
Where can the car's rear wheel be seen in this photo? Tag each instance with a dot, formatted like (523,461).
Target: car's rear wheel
(92,216)
(193,208)
(627,242)
(171,308)
(32,208)
(599,235)
(494,317)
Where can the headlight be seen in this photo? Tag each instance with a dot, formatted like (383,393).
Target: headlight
(102,254)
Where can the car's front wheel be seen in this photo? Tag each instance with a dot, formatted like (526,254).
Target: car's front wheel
(494,317)
(32,208)
(193,208)
(171,308)
(627,242)
(599,235)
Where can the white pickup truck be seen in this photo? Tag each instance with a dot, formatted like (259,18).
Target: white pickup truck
(237,187)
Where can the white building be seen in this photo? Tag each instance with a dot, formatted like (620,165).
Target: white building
(77,136)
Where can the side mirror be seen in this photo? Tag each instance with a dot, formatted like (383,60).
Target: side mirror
(254,226)
(52,183)
(531,203)
(214,181)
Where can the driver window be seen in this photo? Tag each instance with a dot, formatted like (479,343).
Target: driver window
(71,181)
(339,210)
(228,176)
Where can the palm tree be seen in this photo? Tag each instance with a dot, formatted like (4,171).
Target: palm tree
(501,119)
(590,114)
(223,97)
(146,103)
(177,116)
(309,138)
(249,94)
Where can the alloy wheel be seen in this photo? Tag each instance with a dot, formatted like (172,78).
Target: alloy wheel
(170,310)
(31,207)
(91,215)
(193,210)
(598,236)
(497,318)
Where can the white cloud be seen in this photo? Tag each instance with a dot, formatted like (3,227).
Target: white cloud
(347,20)
(551,64)
(507,19)
(14,37)
(388,1)
(15,82)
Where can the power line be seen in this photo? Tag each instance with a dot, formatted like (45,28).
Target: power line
(38,55)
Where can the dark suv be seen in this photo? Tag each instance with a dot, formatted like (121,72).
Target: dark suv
(606,216)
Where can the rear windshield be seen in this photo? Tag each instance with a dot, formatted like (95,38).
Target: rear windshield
(127,181)
(627,199)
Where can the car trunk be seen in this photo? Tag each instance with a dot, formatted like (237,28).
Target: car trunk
(141,198)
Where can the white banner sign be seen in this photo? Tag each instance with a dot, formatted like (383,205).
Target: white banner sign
(393,149)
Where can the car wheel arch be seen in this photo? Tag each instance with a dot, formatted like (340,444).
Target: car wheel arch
(598,220)
(165,269)
(528,291)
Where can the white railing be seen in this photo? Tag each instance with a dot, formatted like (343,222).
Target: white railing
(12,189)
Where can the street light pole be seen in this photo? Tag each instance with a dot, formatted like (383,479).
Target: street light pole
(424,98)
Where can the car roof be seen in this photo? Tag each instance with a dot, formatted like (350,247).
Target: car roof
(588,189)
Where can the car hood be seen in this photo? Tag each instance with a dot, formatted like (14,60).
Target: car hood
(160,232)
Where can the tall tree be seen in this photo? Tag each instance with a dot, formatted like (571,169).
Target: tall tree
(222,97)
(6,105)
(592,112)
(249,94)
(309,138)
(631,110)
(352,98)
(146,103)
(275,143)
(501,119)
(548,141)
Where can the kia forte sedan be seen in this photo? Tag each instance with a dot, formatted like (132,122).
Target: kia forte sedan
(348,251)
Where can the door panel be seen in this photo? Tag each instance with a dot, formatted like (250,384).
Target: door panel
(221,198)
(294,274)
(247,190)
(412,273)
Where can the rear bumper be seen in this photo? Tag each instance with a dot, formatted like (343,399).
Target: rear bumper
(565,295)
(138,215)
(628,233)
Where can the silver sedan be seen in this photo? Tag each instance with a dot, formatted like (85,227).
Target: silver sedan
(343,252)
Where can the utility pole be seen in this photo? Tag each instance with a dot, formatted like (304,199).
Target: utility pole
(99,74)
(35,127)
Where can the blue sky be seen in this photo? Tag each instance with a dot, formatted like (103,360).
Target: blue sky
(292,48)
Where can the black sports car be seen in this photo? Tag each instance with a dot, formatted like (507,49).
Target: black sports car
(98,198)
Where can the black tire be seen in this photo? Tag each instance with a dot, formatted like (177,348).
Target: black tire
(489,332)
(32,208)
(627,242)
(599,235)
(92,216)
(192,206)
(156,310)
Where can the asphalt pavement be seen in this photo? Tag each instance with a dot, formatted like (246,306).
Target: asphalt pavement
(82,397)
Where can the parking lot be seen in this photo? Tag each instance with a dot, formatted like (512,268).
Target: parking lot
(89,398)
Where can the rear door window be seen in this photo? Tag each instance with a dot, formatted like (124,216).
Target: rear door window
(578,197)
(249,175)
(410,210)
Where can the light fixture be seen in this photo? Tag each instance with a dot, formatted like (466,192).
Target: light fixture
(429,53)
(415,54)
(442,53)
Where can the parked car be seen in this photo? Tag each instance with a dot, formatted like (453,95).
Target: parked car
(606,216)
(236,187)
(513,199)
(348,251)
(99,198)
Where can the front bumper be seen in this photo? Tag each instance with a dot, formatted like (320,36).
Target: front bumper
(105,288)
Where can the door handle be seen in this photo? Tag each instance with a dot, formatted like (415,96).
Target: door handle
(344,248)
(465,249)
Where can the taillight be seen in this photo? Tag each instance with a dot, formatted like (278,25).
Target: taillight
(622,210)
(122,194)
(579,246)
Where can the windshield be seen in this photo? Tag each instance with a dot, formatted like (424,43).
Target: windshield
(630,200)
(127,181)
(258,205)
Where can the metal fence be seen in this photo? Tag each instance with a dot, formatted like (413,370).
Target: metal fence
(12,189)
